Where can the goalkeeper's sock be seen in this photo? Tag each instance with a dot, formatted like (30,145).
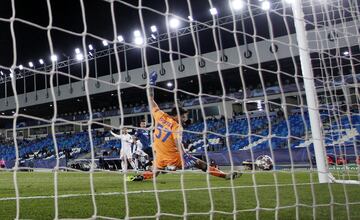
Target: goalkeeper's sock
(148,175)
(216,172)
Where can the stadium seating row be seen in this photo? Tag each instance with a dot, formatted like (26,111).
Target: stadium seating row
(292,131)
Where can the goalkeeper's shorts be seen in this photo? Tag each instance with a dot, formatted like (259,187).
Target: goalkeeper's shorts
(176,162)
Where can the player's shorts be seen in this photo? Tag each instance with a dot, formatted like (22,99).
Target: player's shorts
(140,153)
(125,153)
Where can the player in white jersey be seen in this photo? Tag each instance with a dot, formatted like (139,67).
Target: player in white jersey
(126,151)
(140,157)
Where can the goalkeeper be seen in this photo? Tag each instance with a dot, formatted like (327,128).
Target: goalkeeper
(168,149)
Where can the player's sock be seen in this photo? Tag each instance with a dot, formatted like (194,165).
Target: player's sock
(132,164)
(233,175)
(136,162)
(216,172)
(123,165)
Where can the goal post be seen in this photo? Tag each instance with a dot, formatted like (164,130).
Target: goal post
(311,94)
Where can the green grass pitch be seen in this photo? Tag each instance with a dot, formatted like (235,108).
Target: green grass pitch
(75,200)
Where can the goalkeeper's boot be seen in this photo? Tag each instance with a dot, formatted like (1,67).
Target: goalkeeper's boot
(153,78)
(233,175)
(135,178)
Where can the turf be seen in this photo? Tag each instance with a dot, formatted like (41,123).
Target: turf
(266,202)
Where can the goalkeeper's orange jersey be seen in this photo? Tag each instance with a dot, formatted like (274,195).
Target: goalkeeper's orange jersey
(167,131)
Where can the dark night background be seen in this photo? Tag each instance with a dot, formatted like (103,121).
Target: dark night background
(33,43)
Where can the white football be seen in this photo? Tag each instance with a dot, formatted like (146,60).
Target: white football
(264,162)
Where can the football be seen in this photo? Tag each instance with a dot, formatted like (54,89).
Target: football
(264,162)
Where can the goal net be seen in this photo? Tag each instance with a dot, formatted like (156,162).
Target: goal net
(270,87)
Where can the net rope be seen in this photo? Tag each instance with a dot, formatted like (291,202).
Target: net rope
(332,20)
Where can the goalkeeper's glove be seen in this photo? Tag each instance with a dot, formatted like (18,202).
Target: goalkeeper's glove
(189,161)
(153,78)
(135,178)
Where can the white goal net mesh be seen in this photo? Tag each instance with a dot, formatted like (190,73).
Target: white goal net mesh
(270,87)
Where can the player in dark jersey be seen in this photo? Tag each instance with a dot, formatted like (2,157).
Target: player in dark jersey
(144,136)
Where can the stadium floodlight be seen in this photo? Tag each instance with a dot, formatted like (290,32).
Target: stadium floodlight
(174,23)
(11,73)
(53,58)
(153,29)
(237,4)
(138,40)
(21,67)
(105,43)
(137,33)
(169,84)
(213,11)
(120,38)
(190,18)
(31,65)
(79,56)
(1,72)
(346,53)
(265,5)
(41,61)
(91,47)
